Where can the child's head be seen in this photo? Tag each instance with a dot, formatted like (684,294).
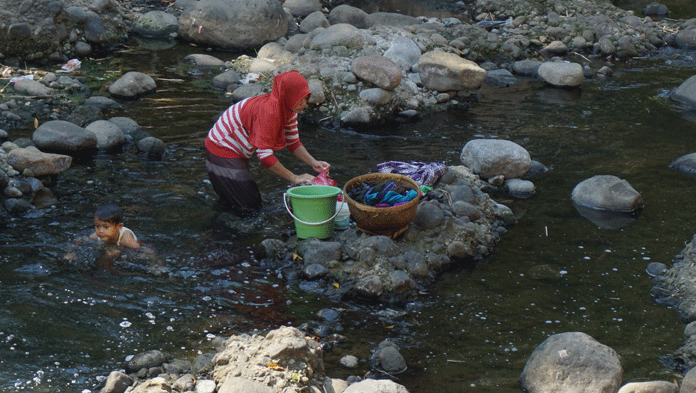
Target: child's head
(108,221)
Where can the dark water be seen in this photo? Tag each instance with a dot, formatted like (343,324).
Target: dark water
(64,329)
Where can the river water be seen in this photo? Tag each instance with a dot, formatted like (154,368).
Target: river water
(63,328)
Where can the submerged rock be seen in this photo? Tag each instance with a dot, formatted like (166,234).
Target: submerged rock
(607,192)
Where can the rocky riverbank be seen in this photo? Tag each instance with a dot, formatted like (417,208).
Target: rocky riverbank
(363,69)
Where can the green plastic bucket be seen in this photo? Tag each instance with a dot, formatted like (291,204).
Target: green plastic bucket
(314,210)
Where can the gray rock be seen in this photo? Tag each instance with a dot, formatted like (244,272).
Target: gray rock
(519,188)
(246,91)
(241,385)
(62,136)
(357,116)
(607,192)
(685,163)
(562,74)
(109,135)
(295,43)
(443,71)
(130,128)
(606,46)
(82,48)
(83,115)
(553,365)
(102,102)
(314,251)
(38,162)
(348,14)
(17,205)
(349,361)
(492,157)
(132,85)
(555,48)
(205,386)
(655,9)
(202,364)
(379,70)
(203,60)
(626,48)
(302,8)
(12,192)
(401,282)
(239,24)
(526,67)
(404,52)
(32,88)
(340,34)
(500,78)
(688,384)
(686,92)
(650,387)
(376,96)
(147,359)
(117,382)
(314,20)
(274,51)
(428,216)
(152,147)
(156,24)
(315,271)
(369,286)
(686,38)
(466,209)
(185,383)
(390,19)
(316,86)
(263,66)
(389,358)
(222,81)
(376,386)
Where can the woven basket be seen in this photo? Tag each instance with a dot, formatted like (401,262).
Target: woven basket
(388,221)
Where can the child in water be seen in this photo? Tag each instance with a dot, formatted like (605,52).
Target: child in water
(108,227)
(110,232)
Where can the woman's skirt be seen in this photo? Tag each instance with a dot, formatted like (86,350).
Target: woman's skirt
(232,181)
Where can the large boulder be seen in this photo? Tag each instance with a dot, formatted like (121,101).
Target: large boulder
(379,70)
(686,92)
(64,137)
(572,362)
(38,162)
(443,71)
(237,25)
(496,157)
(607,192)
(132,85)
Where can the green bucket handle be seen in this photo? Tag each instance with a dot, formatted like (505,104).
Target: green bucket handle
(285,201)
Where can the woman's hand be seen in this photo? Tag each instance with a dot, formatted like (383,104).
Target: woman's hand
(304,178)
(321,166)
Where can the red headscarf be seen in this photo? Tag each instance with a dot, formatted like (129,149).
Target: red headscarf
(270,112)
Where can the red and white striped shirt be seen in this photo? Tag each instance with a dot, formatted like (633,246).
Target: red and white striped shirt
(229,138)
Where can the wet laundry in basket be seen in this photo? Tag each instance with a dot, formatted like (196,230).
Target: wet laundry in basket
(385,194)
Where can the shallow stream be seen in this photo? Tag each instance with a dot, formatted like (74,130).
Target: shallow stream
(64,328)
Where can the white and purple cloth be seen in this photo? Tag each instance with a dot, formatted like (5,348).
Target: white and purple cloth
(425,174)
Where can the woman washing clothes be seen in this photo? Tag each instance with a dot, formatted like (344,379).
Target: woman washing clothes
(260,124)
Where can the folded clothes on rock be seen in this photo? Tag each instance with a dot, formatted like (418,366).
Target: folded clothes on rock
(425,174)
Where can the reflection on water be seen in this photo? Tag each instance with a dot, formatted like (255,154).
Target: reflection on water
(475,328)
